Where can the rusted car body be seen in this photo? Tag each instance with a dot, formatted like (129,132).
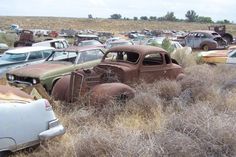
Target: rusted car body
(120,68)
(221,29)
(26,39)
(206,40)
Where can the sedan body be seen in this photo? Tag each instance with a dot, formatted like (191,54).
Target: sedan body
(24,121)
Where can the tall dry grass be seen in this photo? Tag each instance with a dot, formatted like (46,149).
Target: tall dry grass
(194,117)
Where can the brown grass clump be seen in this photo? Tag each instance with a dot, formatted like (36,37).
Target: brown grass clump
(193,117)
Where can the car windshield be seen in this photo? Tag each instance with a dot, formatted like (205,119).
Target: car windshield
(88,43)
(17,57)
(131,57)
(119,44)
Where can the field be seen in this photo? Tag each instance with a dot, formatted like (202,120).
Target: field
(116,26)
(194,117)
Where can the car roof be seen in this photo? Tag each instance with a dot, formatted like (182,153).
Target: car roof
(203,31)
(87,35)
(79,48)
(141,49)
(120,41)
(49,41)
(28,49)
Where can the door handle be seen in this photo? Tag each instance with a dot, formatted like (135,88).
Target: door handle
(165,71)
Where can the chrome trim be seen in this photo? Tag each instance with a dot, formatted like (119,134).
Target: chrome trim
(52,132)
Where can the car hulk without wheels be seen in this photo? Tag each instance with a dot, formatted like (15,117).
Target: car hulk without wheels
(59,63)
(120,68)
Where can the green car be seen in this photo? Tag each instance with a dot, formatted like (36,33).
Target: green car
(59,63)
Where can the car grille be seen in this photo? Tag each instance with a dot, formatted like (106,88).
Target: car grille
(23,79)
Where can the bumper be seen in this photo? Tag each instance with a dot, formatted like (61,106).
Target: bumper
(52,132)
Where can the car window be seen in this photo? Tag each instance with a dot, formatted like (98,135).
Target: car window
(59,45)
(153,59)
(35,55)
(90,55)
(46,53)
(122,56)
(63,56)
(16,57)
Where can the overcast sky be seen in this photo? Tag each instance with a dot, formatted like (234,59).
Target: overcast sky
(217,9)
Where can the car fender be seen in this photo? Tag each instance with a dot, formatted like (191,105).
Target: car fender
(211,44)
(60,91)
(7,144)
(102,93)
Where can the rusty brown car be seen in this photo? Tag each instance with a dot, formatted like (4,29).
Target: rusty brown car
(120,68)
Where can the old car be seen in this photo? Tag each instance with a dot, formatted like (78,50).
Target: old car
(18,57)
(221,29)
(58,64)
(206,40)
(91,43)
(119,42)
(26,39)
(82,37)
(121,66)
(219,56)
(56,43)
(25,122)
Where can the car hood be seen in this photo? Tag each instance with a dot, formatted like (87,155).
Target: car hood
(222,53)
(38,70)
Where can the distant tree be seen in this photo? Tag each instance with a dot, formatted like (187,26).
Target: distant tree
(135,18)
(223,21)
(153,18)
(90,16)
(203,19)
(116,16)
(143,18)
(191,16)
(170,16)
(126,18)
(161,19)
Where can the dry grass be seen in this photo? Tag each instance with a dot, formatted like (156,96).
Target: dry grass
(116,26)
(194,117)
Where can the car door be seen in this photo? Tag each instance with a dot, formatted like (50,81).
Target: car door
(189,40)
(35,57)
(197,40)
(151,67)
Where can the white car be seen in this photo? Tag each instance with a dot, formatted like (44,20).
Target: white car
(56,43)
(25,122)
(20,56)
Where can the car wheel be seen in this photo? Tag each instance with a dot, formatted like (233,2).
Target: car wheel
(205,47)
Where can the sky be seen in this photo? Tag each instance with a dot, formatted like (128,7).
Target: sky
(216,9)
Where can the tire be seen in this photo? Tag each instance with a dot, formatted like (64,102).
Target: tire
(5,154)
(205,47)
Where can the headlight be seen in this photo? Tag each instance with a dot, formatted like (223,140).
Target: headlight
(34,81)
(11,77)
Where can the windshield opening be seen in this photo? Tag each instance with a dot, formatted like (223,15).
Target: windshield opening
(14,57)
(122,56)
